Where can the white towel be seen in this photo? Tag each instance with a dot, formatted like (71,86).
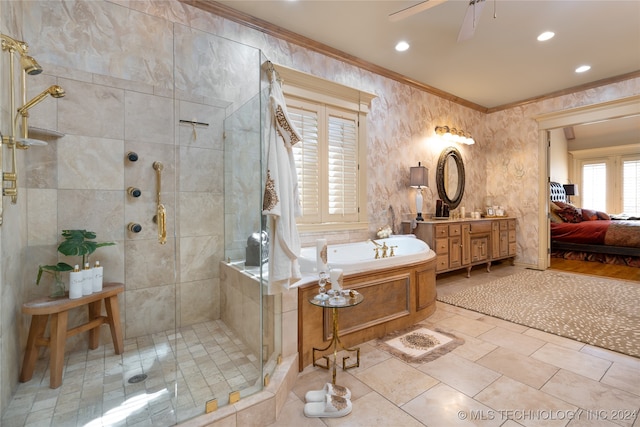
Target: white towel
(281,197)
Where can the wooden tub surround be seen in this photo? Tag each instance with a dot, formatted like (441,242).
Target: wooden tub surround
(394,298)
(58,309)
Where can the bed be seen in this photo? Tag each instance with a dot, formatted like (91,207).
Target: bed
(586,234)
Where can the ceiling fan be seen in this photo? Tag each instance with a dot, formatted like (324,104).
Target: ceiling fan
(468,27)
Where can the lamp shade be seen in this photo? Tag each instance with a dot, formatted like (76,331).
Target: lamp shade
(571,189)
(419,176)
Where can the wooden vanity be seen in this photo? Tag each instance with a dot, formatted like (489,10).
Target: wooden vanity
(463,243)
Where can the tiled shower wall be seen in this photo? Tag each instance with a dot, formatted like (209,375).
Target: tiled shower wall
(117,68)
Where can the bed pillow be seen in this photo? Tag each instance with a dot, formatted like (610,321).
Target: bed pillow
(603,215)
(554,217)
(570,214)
(589,215)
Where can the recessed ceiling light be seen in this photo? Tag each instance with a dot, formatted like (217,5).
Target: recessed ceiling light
(547,35)
(402,46)
(583,68)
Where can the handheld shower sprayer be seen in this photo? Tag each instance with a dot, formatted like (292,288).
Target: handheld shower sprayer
(54,90)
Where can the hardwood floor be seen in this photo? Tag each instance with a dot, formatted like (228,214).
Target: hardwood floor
(596,269)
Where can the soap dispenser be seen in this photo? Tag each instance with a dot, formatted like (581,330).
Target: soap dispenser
(87,280)
(75,283)
(97,277)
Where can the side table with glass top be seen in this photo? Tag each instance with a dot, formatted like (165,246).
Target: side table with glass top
(349,299)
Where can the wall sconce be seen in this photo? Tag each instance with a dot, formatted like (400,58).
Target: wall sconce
(455,135)
(570,190)
(419,179)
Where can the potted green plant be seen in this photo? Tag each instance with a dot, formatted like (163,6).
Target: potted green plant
(75,243)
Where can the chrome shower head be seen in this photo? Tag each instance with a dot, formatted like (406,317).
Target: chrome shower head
(30,65)
(54,90)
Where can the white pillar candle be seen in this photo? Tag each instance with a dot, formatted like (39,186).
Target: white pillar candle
(336,278)
(321,255)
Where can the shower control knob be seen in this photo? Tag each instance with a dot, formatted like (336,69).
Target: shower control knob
(134,192)
(134,227)
(133,157)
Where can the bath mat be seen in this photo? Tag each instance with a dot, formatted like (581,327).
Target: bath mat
(418,344)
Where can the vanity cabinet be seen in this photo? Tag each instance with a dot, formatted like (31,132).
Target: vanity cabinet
(464,243)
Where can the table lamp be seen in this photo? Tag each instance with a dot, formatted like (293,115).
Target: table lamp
(418,178)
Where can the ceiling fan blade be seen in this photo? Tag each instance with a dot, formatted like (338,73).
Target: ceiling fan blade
(471,19)
(412,10)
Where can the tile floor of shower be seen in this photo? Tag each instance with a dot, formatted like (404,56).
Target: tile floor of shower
(205,360)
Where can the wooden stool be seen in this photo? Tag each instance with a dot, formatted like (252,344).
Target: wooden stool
(58,309)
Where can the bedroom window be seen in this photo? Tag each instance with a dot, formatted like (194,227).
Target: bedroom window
(594,186)
(631,186)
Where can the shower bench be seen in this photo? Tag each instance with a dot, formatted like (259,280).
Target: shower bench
(58,309)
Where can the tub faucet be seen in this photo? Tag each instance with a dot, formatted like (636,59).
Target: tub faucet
(384,249)
(378,246)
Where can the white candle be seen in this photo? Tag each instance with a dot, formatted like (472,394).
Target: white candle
(321,255)
(336,278)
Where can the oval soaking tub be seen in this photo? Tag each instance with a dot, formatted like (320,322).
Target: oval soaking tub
(360,256)
(398,292)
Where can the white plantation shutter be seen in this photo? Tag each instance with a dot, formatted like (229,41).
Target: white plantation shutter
(305,154)
(342,165)
(326,162)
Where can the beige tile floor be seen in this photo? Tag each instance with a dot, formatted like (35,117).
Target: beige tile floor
(503,375)
(206,360)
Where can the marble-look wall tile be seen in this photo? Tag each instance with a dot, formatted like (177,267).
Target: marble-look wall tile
(90,163)
(149,264)
(78,34)
(149,310)
(99,211)
(204,136)
(91,110)
(42,216)
(199,256)
(199,301)
(201,214)
(40,163)
(208,163)
(148,118)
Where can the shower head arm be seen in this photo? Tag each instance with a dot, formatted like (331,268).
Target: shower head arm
(12,45)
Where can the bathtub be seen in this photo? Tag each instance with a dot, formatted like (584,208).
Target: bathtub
(360,256)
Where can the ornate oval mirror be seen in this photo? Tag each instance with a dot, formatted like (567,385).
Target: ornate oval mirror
(450,177)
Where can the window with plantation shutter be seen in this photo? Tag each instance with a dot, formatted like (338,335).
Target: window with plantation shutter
(326,162)
(331,159)
(342,168)
(305,155)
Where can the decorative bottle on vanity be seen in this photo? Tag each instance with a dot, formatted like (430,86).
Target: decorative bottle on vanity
(87,280)
(97,277)
(76,278)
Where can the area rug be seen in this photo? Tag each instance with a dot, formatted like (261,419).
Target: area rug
(598,311)
(418,344)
